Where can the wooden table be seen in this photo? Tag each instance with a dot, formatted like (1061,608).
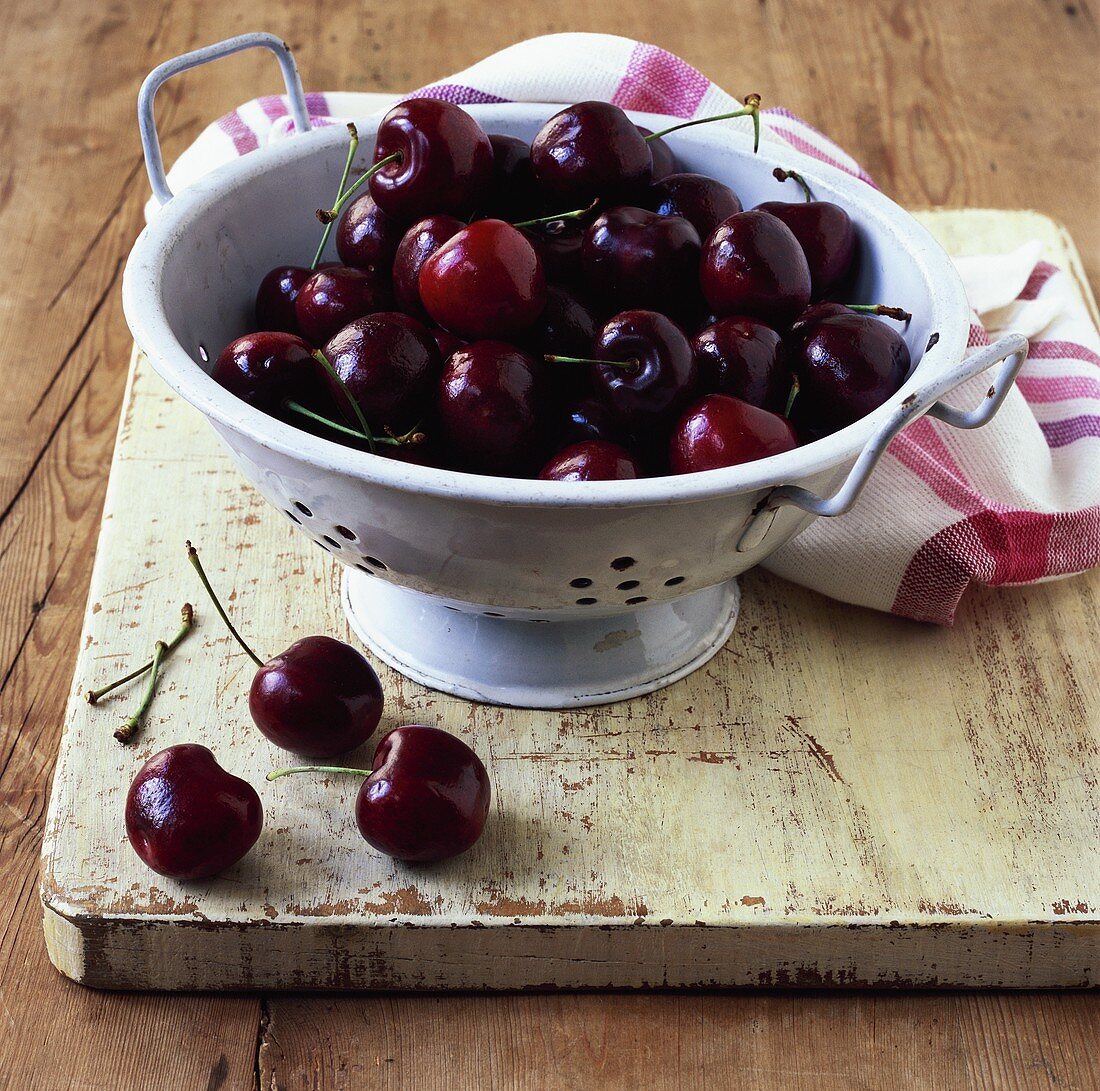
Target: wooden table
(984,104)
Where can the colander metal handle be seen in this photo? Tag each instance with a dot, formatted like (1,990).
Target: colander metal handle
(150,141)
(1012,349)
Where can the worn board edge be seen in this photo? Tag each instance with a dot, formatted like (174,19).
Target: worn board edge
(604,952)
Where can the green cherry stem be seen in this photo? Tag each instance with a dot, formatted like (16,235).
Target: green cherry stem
(879,308)
(196,564)
(795,388)
(576,214)
(782,175)
(276,773)
(410,438)
(187,614)
(632,363)
(353,145)
(367,434)
(752,109)
(328,215)
(130,726)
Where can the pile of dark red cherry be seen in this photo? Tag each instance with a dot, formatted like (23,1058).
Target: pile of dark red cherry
(574,309)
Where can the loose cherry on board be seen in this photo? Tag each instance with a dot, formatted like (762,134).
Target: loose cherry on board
(824,231)
(319,698)
(367,237)
(425,798)
(593,460)
(742,357)
(267,369)
(486,281)
(753,265)
(704,202)
(489,399)
(587,151)
(276,296)
(334,296)
(847,365)
(444,160)
(637,259)
(646,372)
(723,431)
(387,363)
(417,245)
(187,818)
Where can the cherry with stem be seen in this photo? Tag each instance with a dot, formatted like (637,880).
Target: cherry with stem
(558,217)
(880,309)
(130,726)
(353,145)
(752,109)
(187,614)
(782,175)
(408,439)
(368,435)
(632,364)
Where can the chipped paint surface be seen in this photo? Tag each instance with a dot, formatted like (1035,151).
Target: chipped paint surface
(885,803)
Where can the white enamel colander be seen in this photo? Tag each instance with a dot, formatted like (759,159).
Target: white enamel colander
(529,593)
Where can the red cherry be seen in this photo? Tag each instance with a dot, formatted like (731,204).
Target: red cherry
(367,237)
(723,431)
(743,358)
(187,818)
(333,297)
(276,296)
(417,245)
(664,162)
(446,160)
(594,460)
(265,369)
(559,248)
(512,193)
(704,202)
(753,265)
(486,281)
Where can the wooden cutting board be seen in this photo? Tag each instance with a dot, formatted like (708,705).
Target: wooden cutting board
(839,798)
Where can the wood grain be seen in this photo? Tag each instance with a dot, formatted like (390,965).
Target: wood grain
(981,104)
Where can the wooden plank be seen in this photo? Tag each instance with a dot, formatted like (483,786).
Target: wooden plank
(998,141)
(861,818)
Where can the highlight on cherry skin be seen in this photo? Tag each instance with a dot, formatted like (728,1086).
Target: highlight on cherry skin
(425,798)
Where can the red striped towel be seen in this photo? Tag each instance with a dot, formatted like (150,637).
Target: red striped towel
(1017,501)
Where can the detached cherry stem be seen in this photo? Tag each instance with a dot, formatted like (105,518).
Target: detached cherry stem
(752,109)
(196,564)
(576,214)
(187,613)
(879,308)
(334,375)
(782,175)
(130,727)
(276,773)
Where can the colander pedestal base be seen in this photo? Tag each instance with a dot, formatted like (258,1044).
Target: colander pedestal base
(524,663)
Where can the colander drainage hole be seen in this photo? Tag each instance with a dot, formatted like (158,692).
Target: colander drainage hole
(580,582)
(637,599)
(344,532)
(364,568)
(332,542)
(303,509)
(621,564)
(376,562)
(586,602)
(490,613)
(322,545)
(292,517)
(674,581)
(627,585)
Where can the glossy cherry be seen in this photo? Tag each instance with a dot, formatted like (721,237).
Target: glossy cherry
(633,258)
(723,431)
(586,418)
(425,798)
(276,296)
(388,363)
(566,327)
(319,698)
(417,245)
(513,193)
(486,281)
(659,377)
(367,237)
(265,369)
(753,265)
(587,151)
(742,357)
(445,341)
(187,818)
(592,460)
(559,248)
(824,231)
(445,164)
(489,401)
(333,297)
(664,161)
(847,365)
(704,202)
